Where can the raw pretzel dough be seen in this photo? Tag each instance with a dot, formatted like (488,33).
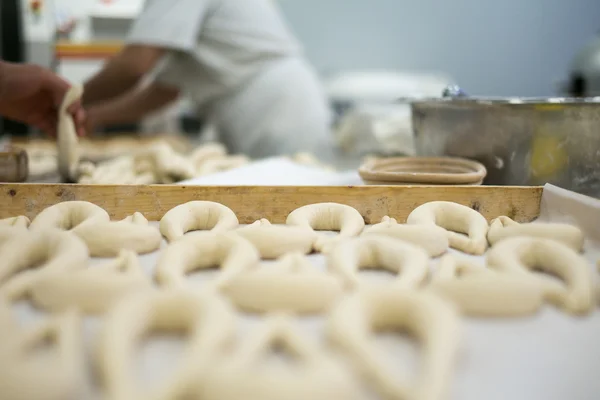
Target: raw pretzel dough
(168,165)
(316,375)
(433,321)
(214,165)
(26,376)
(18,222)
(293,285)
(135,218)
(68,148)
(521,254)
(454,218)
(410,262)
(9,232)
(50,251)
(197,215)
(328,216)
(230,252)
(91,290)
(207,320)
(433,239)
(481,291)
(68,215)
(273,241)
(504,227)
(206,152)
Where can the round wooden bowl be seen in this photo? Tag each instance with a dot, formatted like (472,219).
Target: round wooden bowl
(422,171)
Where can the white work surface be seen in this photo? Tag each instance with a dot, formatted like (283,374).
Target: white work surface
(549,356)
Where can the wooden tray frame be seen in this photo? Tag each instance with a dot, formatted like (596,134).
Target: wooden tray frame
(272,202)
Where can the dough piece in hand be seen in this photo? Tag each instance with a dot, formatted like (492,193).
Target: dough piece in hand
(410,262)
(58,375)
(68,143)
(274,241)
(433,239)
(49,251)
(521,255)
(293,285)
(207,321)
(328,217)
(230,252)
(107,239)
(91,290)
(197,215)
(433,322)
(503,227)
(315,374)
(481,291)
(17,222)
(68,215)
(456,219)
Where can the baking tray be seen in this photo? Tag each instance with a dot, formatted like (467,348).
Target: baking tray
(550,356)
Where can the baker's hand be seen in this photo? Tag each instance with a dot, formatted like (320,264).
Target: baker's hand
(32,95)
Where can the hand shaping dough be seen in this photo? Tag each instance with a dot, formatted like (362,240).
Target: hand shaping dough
(454,218)
(68,215)
(315,375)
(521,255)
(410,262)
(293,285)
(481,291)
(207,321)
(230,252)
(26,376)
(504,227)
(433,239)
(91,290)
(197,215)
(18,222)
(273,241)
(328,217)
(68,148)
(50,250)
(433,321)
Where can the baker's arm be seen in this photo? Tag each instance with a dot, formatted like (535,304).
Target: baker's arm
(122,73)
(132,106)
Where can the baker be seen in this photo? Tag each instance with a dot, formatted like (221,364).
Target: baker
(235,59)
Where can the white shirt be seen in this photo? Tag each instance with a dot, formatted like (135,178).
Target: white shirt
(238,61)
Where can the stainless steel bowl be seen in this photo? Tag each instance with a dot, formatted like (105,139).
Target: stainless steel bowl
(521,141)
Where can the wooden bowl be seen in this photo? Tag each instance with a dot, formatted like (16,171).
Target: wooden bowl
(422,171)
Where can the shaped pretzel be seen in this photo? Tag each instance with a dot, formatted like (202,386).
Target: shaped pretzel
(328,217)
(206,319)
(410,262)
(68,215)
(520,255)
(433,321)
(430,237)
(197,215)
(274,241)
(503,227)
(454,218)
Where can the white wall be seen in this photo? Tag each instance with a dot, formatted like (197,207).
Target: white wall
(491,47)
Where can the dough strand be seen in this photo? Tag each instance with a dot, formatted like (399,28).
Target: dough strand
(68,143)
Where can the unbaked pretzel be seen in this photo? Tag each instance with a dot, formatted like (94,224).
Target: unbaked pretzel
(17,222)
(430,237)
(316,375)
(91,290)
(230,252)
(50,250)
(520,255)
(24,376)
(433,321)
(197,215)
(456,219)
(293,285)
(67,141)
(328,217)
(68,215)
(206,319)
(504,227)
(410,262)
(482,291)
(274,241)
